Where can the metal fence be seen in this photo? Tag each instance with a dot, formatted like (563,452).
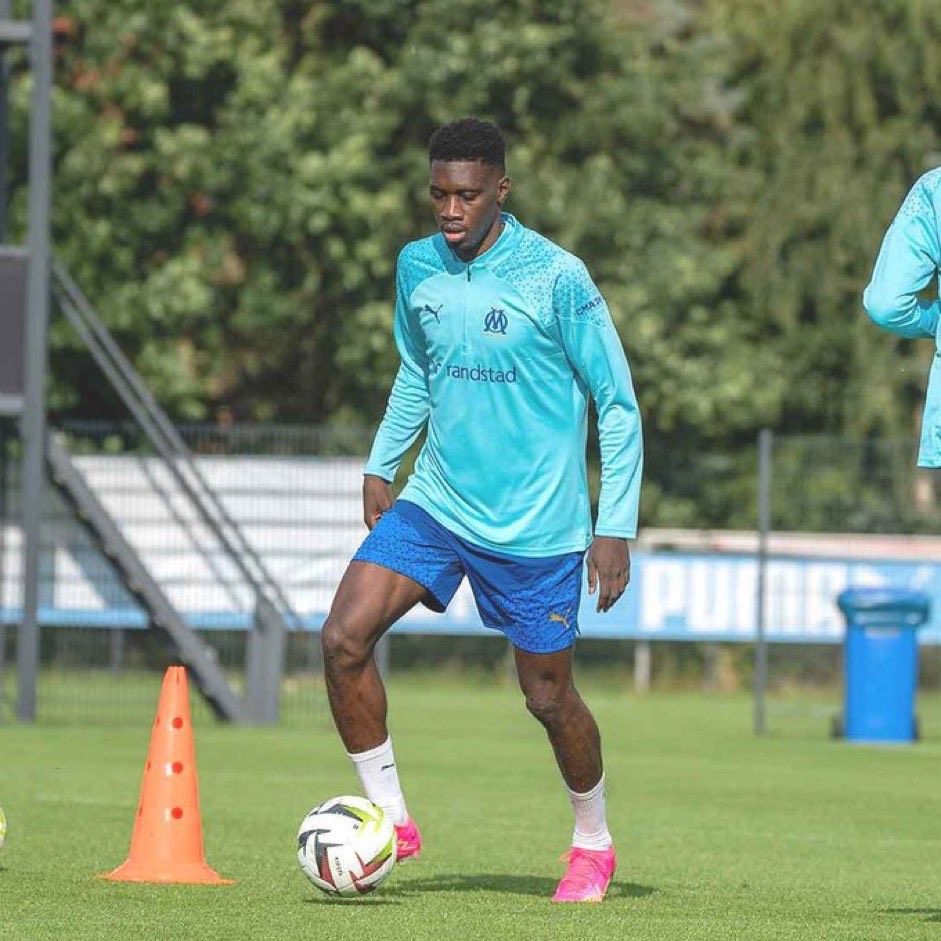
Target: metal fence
(840,499)
(295,493)
(98,659)
(823,484)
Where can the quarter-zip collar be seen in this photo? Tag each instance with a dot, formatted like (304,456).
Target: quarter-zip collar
(501,248)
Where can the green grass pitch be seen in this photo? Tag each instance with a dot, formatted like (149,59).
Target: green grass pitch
(719,835)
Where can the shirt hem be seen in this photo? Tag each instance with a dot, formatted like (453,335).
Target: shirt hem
(454,527)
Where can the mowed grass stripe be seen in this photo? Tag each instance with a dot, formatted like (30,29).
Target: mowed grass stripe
(720,835)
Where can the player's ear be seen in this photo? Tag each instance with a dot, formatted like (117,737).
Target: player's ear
(503,189)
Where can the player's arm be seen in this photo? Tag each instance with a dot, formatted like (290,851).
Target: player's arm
(406,412)
(594,349)
(908,260)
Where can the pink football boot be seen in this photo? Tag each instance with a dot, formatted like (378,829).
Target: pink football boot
(587,876)
(408,841)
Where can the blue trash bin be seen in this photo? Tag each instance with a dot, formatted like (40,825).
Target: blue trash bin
(880,662)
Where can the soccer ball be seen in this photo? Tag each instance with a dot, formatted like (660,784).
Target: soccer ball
(346,846)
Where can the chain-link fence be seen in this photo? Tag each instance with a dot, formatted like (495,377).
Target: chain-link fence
(294,493)
(823,484)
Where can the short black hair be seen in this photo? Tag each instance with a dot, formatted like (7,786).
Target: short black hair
(469,139)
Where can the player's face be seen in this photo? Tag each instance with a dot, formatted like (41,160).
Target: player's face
(467,196)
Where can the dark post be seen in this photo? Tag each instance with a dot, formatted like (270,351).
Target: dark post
(37,319)
(764,524)
(4,128)
(3,524)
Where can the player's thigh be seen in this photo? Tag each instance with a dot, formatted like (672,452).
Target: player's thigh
(369,599)
(544,676)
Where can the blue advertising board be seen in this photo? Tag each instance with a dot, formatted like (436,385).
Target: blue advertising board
(713,597)
(672,596)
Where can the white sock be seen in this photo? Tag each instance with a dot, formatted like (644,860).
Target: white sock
(591,826)
(380,779)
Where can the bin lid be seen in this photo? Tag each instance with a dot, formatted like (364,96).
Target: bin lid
(898,607)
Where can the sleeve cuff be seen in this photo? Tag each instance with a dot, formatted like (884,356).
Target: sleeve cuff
(378,472)
(617,533)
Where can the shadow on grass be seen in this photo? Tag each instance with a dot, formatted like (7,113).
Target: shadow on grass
(354,901)
(512,884)
(933,914)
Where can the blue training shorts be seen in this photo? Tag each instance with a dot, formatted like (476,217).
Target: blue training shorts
(534,601)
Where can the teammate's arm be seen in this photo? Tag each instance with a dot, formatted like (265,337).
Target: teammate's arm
(594,349)
(406,412)
(908,260)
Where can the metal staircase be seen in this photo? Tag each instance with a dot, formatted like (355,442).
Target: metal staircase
(272,613)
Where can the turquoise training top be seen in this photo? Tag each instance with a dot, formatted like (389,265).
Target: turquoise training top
(499,356)
(908,261)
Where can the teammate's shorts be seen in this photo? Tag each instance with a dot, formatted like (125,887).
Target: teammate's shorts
(534,601)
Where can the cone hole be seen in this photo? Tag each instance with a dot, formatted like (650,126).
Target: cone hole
(177,722)
(157,721)
(177,767)
(176,813)
(148,766)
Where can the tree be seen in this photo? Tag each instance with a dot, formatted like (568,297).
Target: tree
(842,102)
(234,181)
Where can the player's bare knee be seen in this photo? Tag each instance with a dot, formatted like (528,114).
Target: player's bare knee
(342,650)
(546,705)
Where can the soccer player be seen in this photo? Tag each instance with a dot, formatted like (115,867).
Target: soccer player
(502,337)
(908,261)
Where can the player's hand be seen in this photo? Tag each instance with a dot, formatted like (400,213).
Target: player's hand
(377,498)
(609,569)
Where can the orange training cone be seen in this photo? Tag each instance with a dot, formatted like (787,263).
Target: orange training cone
(167,842)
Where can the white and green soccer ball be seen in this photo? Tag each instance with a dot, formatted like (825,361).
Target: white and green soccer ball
(346,846)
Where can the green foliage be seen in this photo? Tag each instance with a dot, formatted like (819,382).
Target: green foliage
(842,105)
(234,181)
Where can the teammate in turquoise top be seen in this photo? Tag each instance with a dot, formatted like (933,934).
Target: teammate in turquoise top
(503,339)
(908,262)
